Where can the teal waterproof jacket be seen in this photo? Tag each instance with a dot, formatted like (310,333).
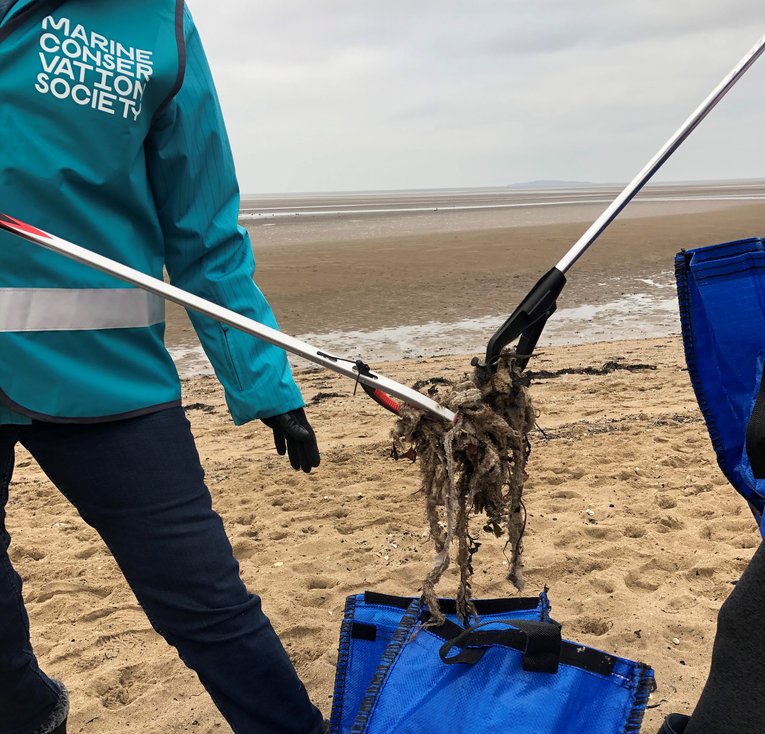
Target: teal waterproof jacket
(111,136)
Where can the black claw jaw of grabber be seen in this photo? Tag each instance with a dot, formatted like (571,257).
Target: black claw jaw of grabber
(526,323)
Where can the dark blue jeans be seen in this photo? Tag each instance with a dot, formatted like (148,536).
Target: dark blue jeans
(140,484)
(733,700)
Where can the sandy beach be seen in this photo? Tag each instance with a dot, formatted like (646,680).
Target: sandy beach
(631,525)
(630,522)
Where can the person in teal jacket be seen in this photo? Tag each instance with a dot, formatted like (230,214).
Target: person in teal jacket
(111,136)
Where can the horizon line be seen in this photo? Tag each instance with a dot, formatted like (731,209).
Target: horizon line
(540,183)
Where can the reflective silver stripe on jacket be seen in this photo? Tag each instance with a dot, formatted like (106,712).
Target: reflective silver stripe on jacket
(72,309)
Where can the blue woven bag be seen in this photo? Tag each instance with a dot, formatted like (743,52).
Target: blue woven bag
(721,291)
(513,676)
(369,624)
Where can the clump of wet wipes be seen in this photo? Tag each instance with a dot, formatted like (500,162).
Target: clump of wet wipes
(475,466)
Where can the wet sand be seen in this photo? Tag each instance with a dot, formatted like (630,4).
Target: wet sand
(411,278)
(391,270)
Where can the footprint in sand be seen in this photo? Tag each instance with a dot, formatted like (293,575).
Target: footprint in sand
(634,531)
(651,575)
(599,532)
(592,626)
(97,614)
(739,525)
(552,479)
(114,645)
(744,541)
(682,603)
(65,587)
(320,582)
(675,461)
(669,523)
(640,581)
(244,549)
(602,586)
(701,572)
(88,552)
(28,553)
(565,494)
(588,565)
(313,599)
(127,688)
(338,513)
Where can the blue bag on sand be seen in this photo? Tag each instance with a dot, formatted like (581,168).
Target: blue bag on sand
(721,291)
(369,623)
(515,676)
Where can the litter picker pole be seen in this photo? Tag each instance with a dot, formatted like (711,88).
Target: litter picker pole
(371,381)
(528,320)
(637,183)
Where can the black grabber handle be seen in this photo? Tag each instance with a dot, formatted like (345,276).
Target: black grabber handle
(539,304)
(527,321)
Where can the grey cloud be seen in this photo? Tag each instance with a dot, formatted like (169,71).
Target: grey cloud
(343,94)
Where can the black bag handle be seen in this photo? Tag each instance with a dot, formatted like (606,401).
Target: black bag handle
(540,642)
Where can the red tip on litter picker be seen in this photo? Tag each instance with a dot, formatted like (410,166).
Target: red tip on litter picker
(14,225)
(386,401)
(384,389)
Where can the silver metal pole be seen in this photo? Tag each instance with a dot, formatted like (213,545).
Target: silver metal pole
(224,315)
(660,158)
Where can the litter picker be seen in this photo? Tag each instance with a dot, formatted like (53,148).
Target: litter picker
(525,323)
(529,318)
(356,370)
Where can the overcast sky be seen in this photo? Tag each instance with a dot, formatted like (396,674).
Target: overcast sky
(343,95)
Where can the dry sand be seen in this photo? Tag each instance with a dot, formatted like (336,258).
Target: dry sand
(641,574)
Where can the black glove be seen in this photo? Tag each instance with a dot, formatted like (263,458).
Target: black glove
(293,434)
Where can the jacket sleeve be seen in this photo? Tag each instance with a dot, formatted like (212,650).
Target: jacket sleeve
(191,171)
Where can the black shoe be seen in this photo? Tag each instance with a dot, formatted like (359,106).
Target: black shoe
(675,724)
(60,729)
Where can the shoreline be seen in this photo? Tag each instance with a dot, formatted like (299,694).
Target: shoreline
(636,315)
(408,279)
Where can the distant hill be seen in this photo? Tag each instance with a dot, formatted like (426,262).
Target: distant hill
(548,183)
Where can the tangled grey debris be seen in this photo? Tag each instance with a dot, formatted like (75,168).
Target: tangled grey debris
(477,464)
